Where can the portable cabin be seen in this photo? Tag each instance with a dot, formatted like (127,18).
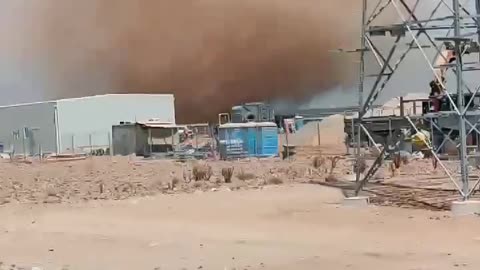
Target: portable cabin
(144,138)
(254,139)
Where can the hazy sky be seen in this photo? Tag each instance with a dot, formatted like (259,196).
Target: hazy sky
(53,48)
(413,75)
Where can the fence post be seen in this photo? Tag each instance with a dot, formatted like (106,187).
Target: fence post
(318,133)
(24,134)
(40,154)
(150,141)
(196,139)
(110,146)
(73,144)
(173,139)
(12,155)
(90,143)
(287,130)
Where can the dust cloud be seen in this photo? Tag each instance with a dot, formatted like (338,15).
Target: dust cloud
(211,54)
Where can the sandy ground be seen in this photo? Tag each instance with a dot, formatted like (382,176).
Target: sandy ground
(118,178)
(286,227)
(124,213)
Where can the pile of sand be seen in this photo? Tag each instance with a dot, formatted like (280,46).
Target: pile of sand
(328,135)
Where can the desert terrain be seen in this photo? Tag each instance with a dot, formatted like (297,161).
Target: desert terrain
(132,213)
(294,226)
(122,213)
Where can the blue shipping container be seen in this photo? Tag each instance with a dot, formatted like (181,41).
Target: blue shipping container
(299,122)
(248,140)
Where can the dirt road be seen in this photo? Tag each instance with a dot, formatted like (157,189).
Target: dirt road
(283,228)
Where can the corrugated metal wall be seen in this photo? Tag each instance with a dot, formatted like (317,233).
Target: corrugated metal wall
(40,116)
(269,141)
(232,143)
(254,141)
(88,121)
(124,139)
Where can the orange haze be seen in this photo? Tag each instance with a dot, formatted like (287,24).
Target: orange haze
(211,54)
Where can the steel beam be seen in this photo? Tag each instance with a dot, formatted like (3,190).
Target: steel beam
(415,27)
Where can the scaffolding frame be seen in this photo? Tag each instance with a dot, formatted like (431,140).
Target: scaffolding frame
(462,15)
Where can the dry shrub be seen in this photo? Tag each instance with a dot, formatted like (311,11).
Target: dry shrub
(125,187)
(101,187)
(318,162)
(360,165)
(209,173)
(333,164)
(331,178)
(405,160)
(227,174)
(187,175)
(434,162)
(216,180)
(50,190)
(157,184)
(174,182)
(274,181)
(202,172)
(245,175)
(198,184)
(397,160)
(392,168)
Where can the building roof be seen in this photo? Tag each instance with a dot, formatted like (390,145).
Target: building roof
(249,124)
(151,124)
(81,98)
(159,125)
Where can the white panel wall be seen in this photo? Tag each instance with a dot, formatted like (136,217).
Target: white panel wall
(88,121)
(38,116)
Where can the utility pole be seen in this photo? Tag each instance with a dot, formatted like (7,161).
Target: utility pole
(460,98)
(361,86)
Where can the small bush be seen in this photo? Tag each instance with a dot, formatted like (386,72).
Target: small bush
(274,181)
(216,180)
(360,165)
(197,184)
(157,184)
(392,168)
(245,176)
(174,182)
(187,175)
(397,161)
(405,160)
(50,190)
(209,173)
(101,187)
(318,162)
(227,174)
(333,164)
(434,162)
(202,172)
(331,178)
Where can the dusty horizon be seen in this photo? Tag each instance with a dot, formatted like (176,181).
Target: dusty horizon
(211,54)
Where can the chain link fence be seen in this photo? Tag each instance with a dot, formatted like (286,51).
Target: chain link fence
(95,143)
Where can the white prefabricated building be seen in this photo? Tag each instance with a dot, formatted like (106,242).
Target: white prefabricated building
(77,124)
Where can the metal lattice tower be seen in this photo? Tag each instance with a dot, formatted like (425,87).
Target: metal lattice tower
(453,23)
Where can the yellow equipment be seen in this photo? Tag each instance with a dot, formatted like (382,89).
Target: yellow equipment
(419,138)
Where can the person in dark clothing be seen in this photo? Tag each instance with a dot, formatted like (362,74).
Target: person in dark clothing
(436,94)
(435,88)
